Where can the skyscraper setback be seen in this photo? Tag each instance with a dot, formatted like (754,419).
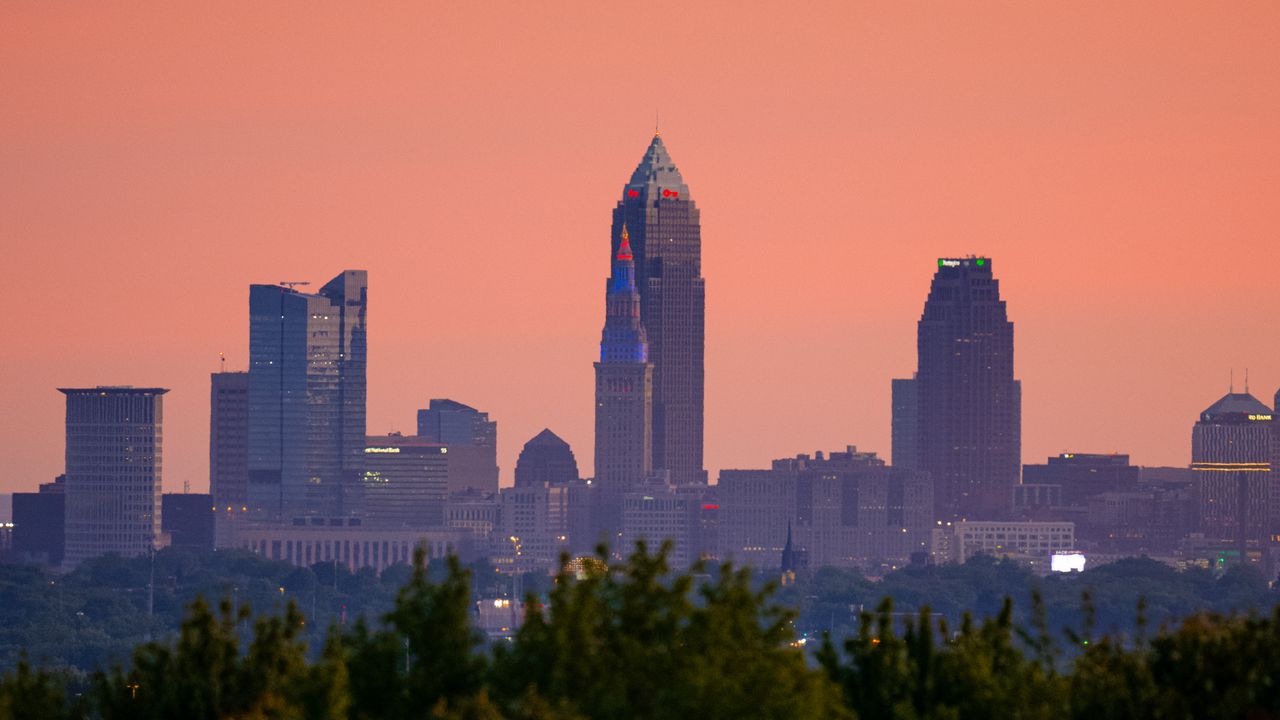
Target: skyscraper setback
(307,355)
(665,237)
(968,411)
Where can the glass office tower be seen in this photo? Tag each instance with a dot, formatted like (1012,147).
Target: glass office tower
(307,356)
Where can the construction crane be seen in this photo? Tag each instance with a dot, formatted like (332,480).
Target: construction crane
(291,284)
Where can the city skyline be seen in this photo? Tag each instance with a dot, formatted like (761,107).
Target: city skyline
(1103,256)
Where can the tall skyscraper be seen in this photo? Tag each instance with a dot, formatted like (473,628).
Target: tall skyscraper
(1231,454)
(969,406)
(472,439)
(546,460)
(113,473)
(624,383)
(307,355)
(666,239)
(229,447)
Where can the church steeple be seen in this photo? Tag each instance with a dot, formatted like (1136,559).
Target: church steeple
(788,560)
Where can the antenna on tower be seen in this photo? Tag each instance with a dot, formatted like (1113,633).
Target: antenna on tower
(656,131)
(1246,381)
(222,362)
(1232,387)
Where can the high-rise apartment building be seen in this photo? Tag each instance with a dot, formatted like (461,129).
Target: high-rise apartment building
(969,406)
(307,388)
(1231,455)
(113,473)
(546,460)
(229,449)
(472,439)
(665,236)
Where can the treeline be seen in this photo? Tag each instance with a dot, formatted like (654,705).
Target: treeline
(94,617)
(633,640)
(830,599)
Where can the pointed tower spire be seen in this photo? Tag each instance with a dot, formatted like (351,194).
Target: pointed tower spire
(624,247)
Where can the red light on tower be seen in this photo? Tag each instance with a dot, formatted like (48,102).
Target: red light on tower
(633,193)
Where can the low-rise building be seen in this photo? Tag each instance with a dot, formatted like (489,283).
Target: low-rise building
(1035,542)
(844,509)
(352,546)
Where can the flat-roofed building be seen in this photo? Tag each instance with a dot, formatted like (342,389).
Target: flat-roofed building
(1083,475)
(843,508)
(229,450)
(1036,541)
(405,481)
(38,523)
(353,547)
(113,471)
(188,520)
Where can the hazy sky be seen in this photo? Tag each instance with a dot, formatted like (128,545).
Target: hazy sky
(1119,162)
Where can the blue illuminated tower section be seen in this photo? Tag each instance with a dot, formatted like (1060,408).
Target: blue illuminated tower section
(624,382)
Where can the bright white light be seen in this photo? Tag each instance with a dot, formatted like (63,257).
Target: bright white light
(1067,562)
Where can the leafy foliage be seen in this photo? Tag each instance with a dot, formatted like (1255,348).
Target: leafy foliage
(635,640)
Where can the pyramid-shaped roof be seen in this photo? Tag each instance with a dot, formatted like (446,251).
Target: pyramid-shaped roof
(546,437)
(1236,404)
(657,171)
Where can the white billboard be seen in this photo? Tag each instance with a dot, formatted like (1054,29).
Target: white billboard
(1067,562)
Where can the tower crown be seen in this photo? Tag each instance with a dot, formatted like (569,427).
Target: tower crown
(624,338)
(657,177)
(624,247)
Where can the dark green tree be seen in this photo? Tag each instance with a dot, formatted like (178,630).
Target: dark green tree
(633,641)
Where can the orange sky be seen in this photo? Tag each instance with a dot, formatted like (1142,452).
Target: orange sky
(1120,164)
